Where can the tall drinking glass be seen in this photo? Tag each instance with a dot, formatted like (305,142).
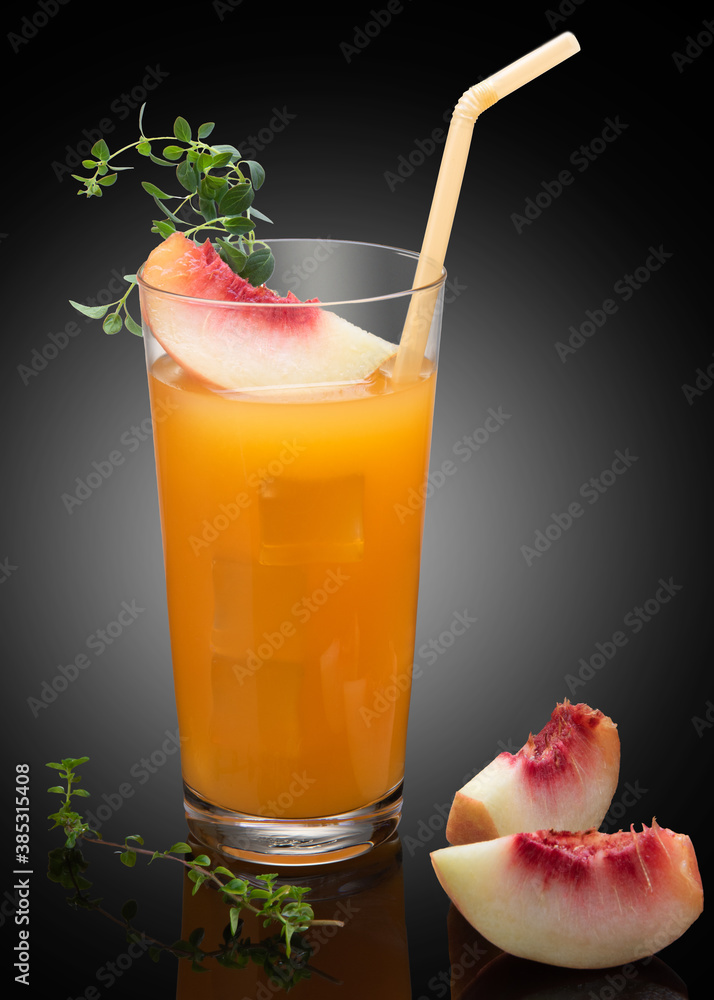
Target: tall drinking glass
(292,545)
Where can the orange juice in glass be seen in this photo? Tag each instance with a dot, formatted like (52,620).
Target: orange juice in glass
(292,578)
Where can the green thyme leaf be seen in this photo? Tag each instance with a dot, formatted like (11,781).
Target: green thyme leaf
(153,190)
(180,848)
(101,150)
(238,224)
(94,312)
(207,208)
(234,257)
(187,176)
(112,323)
(259,267)
(237,199)
(259,215)
(157,159)
(257,174)
(227,148)
(132,326)
(164,228)
(182,129)
(220,160)
(205,130)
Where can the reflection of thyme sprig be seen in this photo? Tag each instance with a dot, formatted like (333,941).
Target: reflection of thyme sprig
(283,904)
(215,189)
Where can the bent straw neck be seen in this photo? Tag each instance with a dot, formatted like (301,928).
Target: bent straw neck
(475,101)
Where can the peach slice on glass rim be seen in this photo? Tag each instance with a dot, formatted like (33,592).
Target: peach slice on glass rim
(563,779)
(583,900)
(269,340)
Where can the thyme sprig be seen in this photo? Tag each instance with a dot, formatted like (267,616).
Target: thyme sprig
(283,904)
(218,188)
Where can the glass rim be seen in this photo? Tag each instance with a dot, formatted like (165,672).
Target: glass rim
(222,303)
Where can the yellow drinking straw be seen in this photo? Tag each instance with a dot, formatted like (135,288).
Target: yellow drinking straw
(448,185)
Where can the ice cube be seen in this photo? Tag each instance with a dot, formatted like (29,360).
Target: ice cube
(253,610)
(312,520)
(233,589)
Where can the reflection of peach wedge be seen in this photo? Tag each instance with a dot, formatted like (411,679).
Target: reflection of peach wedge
(582,900)
(562,779)
(469,952)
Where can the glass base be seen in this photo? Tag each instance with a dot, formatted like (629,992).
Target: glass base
(310,841)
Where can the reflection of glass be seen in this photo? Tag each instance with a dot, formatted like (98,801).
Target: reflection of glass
(480,971)
(368,957)
(291,578)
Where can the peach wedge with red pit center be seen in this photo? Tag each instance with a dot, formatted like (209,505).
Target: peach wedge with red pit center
(581,900)
(562,779)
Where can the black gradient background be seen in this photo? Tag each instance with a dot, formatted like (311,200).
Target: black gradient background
(513,296)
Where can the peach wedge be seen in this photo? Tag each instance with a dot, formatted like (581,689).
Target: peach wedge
(563,779)
(584,900)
